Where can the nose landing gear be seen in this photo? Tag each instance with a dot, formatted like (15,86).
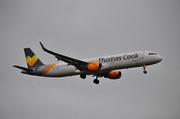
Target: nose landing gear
(144,69)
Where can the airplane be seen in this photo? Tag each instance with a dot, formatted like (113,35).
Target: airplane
(105,66)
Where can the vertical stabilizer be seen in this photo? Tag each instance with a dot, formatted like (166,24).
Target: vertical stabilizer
(31,59)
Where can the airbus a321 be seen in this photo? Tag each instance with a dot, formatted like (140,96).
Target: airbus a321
(106,66)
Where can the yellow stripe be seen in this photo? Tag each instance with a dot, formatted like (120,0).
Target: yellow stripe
(48,68)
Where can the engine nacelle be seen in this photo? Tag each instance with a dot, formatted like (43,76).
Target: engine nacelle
(94,66)
(114,74)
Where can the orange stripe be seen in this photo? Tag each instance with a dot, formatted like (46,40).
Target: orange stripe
(48,68)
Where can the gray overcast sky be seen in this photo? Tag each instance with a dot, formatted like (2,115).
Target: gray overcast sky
(83,29)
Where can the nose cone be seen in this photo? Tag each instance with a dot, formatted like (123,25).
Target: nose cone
(158,58)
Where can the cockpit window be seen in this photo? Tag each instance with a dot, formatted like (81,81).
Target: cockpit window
(152,54)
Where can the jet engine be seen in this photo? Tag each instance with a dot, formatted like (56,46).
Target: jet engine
(94,66)
(114,74)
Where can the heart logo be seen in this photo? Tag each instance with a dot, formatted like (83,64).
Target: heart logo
(31,61)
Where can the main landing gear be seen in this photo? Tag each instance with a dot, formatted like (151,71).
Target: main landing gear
(83,76)
(144,69)
(96,81)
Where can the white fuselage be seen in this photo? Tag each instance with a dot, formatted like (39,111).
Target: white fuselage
(113,62)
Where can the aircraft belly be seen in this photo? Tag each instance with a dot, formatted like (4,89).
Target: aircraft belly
(62,71)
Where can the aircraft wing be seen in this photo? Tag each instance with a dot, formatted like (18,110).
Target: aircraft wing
(81,65)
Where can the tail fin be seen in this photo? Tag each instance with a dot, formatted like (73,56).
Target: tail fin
(31,59)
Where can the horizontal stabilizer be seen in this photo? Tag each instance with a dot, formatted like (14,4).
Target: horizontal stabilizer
(23,68)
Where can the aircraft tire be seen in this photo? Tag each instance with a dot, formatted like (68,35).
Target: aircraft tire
(83,76)
(96,81)
(145,72)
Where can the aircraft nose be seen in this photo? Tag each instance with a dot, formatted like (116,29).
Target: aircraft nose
(159,58)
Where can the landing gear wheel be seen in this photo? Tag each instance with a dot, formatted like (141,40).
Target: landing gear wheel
(96,81)
(145,72)
(83,76)
(144,68)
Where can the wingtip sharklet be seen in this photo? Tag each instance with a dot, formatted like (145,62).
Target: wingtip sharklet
(42,45)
